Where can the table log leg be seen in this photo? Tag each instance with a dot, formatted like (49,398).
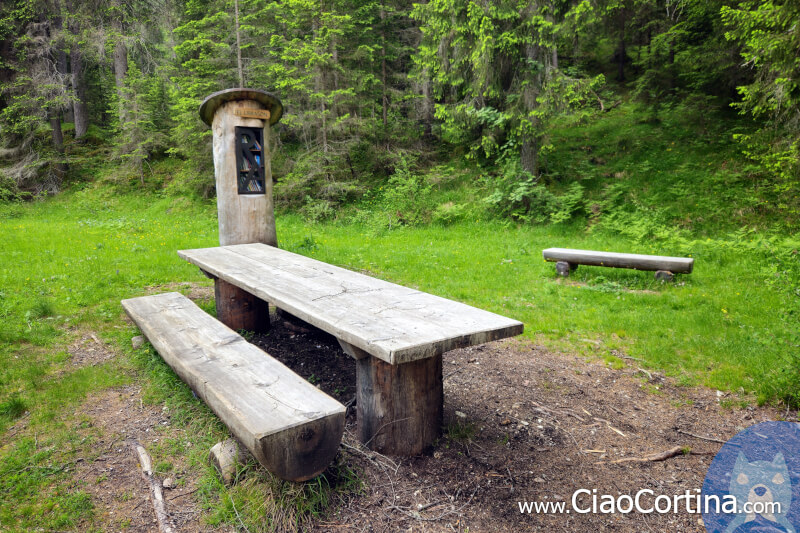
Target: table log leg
(399,406)
(239,309)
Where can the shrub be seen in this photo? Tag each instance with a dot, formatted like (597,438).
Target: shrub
(407,196)
(519,195)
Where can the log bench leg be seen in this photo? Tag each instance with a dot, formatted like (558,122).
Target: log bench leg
(664,275)
(399,406)
(563,268)
(239,309)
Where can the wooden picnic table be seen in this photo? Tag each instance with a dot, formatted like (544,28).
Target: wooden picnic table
(396,334)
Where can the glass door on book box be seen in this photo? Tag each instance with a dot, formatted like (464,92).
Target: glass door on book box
(250,160)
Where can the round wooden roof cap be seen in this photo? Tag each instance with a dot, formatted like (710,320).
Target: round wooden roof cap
(213,101)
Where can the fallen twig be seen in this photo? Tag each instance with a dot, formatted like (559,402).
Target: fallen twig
(656,457)
(615,430)
(710,439)
(182,494)
(156,496)
(416,516)
(237,514)
(609,426)
(370,455)
(456,371)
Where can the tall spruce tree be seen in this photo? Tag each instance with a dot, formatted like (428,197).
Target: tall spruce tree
(493,74)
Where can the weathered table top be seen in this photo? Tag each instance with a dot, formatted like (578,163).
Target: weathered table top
(393,323)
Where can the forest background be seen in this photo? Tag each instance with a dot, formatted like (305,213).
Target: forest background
(375,90)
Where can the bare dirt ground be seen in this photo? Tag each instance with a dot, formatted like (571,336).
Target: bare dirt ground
(521,424)
(120,493)
(526,424)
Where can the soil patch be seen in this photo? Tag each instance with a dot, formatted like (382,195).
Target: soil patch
(120,494)
(88,350)
(525,424)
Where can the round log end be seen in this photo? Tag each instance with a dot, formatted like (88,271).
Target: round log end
(563,268)
(305,451)
(664,275)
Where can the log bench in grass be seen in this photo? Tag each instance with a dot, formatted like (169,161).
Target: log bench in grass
(568,260)
(396,334)
(290,426)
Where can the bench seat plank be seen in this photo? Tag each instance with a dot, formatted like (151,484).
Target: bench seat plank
(678,265)
(393,323)
(289,425)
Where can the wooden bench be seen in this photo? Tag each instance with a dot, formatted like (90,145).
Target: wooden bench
(568,260)
(289,425)
(396,334)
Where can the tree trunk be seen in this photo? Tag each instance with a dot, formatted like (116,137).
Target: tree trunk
(319,84)
(427,107)
(529,149)
(335,58)
(622,51)
(58,143)
(170,31)
(385,97)
(529,155)
(79,108)
(554,50)
(58,135)
(60,58)
(238,45)
(120,64)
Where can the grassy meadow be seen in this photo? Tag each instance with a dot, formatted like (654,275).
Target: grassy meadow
(66,262)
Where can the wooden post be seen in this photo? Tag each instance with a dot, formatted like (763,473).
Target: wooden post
(240,121)
(399,406)
(245,215)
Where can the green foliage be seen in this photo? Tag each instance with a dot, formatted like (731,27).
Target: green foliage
(492,71)
(767,32)
(145,124)
(458,430)
(519,195)
(450,213)
(407,196)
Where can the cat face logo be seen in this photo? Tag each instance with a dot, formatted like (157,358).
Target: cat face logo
(757,473)
(764,485)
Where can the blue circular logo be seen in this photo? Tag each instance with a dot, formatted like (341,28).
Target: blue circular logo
(753,483)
